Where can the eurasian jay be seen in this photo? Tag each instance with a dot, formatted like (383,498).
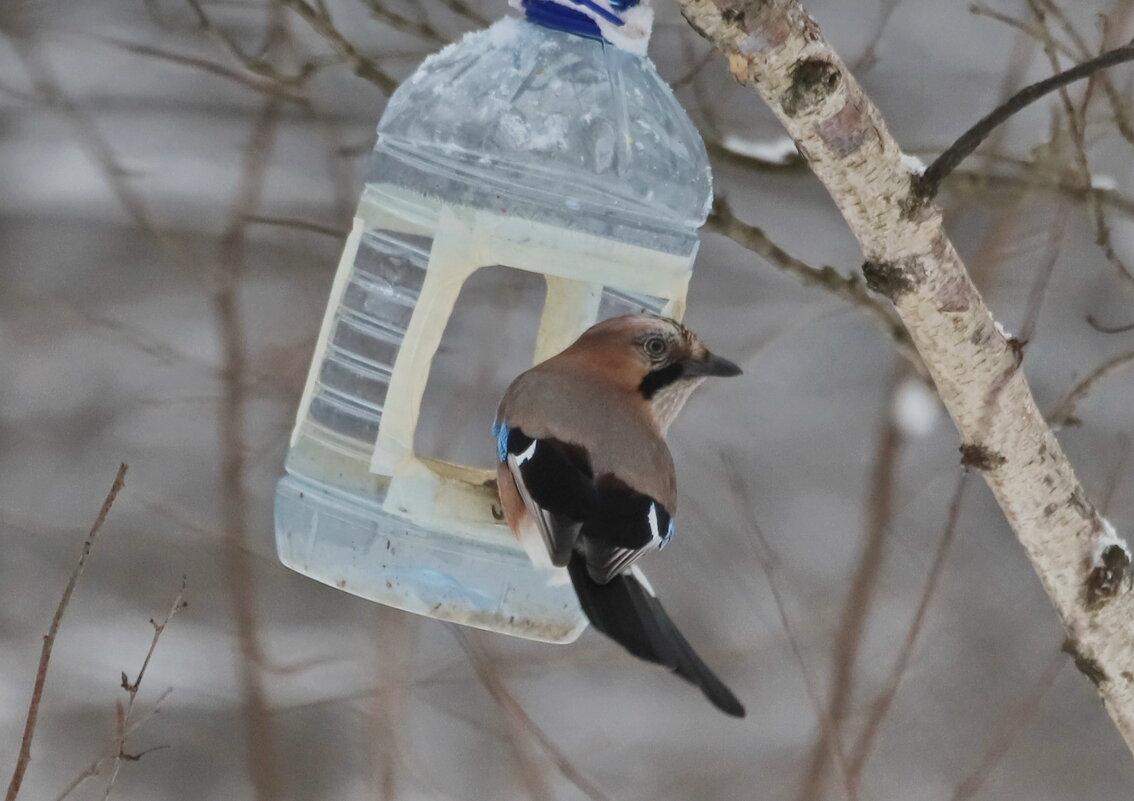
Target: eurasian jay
(586,480)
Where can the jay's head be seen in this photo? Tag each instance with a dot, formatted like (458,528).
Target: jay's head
(656,356)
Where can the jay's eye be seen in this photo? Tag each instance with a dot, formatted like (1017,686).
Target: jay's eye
(655,347)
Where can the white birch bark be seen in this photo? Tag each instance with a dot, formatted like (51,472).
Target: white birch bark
(774,47)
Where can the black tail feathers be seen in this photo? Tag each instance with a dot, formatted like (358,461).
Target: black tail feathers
(626,610)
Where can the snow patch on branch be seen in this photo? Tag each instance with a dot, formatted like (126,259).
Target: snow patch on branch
(913,164)
(1107,539)
(777,151)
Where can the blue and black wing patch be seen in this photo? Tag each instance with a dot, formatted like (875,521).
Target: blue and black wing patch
(555,482)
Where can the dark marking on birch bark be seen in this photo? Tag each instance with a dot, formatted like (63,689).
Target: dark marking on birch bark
(1085,665)
(733,16)
(812,81)
(939,247)
(843,133)
(956,295)
(1106,580)
(981,457)
(1078,501)
(887,279)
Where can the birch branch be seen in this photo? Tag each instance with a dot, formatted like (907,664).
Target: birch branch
(774,47)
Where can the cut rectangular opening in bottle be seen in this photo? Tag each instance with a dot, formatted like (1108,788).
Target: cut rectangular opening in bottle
(488,341)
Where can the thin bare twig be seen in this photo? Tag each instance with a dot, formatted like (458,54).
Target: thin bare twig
(131,688)
(860,599)
(790,163)
(1116,474)
(869,56)
(981,10)
(1076,120)
(365,68)
(255,64)
(400,22)
(302,225)
(1094,323)
(723,221)
(98,147)
(254,80)
(24,756)
(1015,723)
(1064,414)
(881,706)
(926,185)
(692,73)
(766,557)
(523,722)
(1034,176)
(95,767)
(1042,280)
(463,9)
(989,255)
(395,641)
(231,436)
(1117,103)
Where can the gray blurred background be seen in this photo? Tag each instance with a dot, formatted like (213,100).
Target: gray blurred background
(173,195)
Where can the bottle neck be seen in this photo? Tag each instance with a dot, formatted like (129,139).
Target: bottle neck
(556,14)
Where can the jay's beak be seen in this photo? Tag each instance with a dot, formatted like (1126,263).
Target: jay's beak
(710,364)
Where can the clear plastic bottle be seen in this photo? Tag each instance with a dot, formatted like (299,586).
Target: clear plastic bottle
(531,147)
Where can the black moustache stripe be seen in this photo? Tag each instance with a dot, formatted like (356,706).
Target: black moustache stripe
(659,379)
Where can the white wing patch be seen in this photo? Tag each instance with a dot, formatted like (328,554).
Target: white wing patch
(617,560)
(652,517)
(538,549)
(526,455)
(637,573)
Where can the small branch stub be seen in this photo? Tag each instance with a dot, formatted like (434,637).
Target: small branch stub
(1105,580)
(812,80)
(1110,571)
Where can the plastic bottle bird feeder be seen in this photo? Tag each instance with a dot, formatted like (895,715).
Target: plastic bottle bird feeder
(522,145)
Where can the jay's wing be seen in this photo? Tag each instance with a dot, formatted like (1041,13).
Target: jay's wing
(555,483)
(616,523)
(626,525)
